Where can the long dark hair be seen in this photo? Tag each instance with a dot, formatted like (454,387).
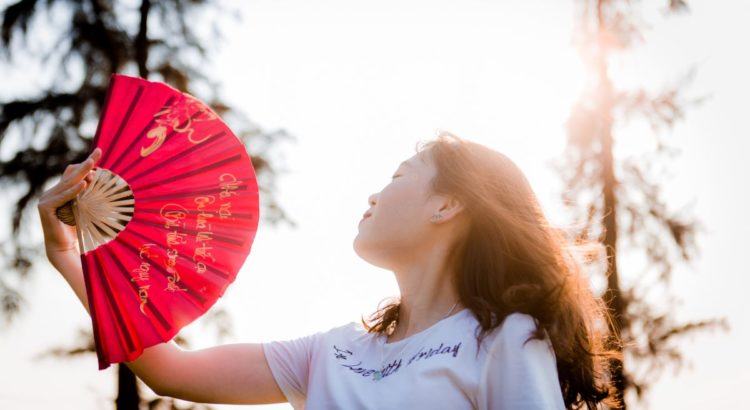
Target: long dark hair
(510,259)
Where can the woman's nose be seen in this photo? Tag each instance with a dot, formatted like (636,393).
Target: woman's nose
(372,200)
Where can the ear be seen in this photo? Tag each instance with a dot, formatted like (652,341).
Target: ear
(449,209)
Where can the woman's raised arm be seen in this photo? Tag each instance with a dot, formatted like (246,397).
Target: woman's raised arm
(232,374)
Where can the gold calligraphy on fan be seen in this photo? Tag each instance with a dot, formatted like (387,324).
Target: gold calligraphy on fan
(180,118)
(178,236)
(173,216)
(204,235)
(142,274)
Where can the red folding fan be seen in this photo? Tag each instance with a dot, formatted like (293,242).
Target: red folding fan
(168,219)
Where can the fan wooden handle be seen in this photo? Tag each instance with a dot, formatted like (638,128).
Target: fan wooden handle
(65,213)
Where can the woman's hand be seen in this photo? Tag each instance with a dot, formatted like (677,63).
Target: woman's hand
(60,238)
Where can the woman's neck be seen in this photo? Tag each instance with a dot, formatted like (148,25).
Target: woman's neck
(416,328)
(426,298)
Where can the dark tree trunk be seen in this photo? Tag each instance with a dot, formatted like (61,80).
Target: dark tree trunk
(613,295)
(128,396)
(141,41)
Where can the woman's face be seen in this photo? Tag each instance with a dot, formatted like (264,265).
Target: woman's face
(397,223)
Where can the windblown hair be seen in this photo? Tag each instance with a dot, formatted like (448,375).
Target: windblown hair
(509,259)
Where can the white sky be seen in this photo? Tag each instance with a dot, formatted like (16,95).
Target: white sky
(358,84)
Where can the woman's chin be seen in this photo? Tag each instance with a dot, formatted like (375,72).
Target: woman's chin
(370,255)
(358,247)
(366,253)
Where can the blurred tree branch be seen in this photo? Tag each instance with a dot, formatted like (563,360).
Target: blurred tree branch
(623,199)
(84,346)
(84,42)
(54,128)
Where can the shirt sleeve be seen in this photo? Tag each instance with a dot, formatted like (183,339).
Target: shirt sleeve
(519,374)
(289,361)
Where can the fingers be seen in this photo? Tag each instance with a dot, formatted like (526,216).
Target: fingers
(94,156)
(70,168)
(51,200)
(86,166)
(75,179)
(76,172)
(71,192)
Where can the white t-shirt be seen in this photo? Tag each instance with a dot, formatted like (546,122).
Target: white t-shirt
(437,368)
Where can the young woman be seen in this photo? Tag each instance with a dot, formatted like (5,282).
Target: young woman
(493,311)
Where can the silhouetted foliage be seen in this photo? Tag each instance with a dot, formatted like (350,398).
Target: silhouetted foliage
(129,389)
(621,199)
(49,130)
(84,42)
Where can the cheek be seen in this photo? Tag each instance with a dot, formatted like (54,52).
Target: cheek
(398,214)
(397,226)
(399,205)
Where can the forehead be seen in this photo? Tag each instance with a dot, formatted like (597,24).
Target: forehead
(416,161)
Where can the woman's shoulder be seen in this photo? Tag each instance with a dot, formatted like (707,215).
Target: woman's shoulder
(520,370)
(517,329)
(519,333)
(517,325)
